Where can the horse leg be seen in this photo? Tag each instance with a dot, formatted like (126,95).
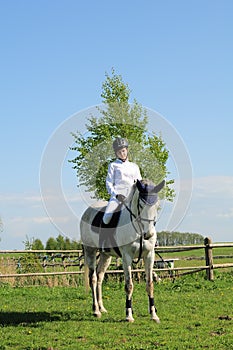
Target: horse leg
(149,262)
(93,285)
(90,261)
(103,264)
(128,288)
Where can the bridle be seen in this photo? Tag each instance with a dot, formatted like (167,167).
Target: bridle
(139,220)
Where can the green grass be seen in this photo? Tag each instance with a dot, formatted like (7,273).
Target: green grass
(194,313)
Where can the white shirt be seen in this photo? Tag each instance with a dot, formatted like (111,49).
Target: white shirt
(121,177)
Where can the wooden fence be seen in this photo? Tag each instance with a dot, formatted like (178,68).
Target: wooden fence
(208,257)
(70,259)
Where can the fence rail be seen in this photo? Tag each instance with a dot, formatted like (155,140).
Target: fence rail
(208,248)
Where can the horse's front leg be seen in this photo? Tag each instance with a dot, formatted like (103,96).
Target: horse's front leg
(127,261)
(90,262)
(103,264)
(149,262)
(93,285)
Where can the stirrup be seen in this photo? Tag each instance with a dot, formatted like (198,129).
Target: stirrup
(105,250)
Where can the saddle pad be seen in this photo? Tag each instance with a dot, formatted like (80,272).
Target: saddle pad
(99,216)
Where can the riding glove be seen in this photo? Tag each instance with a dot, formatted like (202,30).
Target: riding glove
(120,198)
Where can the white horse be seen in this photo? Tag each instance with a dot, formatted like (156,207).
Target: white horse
(135,237)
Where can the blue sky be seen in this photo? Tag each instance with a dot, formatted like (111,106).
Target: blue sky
(176,57)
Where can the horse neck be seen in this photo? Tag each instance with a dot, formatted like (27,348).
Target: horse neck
(133,201)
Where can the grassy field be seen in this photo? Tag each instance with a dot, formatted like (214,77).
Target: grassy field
(194,313)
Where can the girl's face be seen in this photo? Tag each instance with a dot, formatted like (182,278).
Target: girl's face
(122,153)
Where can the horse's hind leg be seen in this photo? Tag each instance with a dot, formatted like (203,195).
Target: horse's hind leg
(103,264)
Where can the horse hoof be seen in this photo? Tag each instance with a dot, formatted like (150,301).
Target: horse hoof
(129,319)
(97,314)
(155,319)
(103,310)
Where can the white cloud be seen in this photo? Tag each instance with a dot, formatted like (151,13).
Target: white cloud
(227,214)
(210,211)
(20,197)
(213,186)
(38,220)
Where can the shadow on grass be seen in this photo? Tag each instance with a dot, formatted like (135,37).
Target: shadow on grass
(25,318)
(13,318)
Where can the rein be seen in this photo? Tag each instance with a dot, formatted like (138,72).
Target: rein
(139,220)
(141,231)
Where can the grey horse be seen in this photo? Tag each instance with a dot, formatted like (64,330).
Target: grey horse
(134,238)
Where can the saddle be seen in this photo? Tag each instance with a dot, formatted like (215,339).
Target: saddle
(108,231)
(98,219)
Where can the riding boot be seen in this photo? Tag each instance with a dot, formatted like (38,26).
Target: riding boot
(103,238)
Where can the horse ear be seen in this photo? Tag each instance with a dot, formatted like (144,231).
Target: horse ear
(139,185)
(159,187)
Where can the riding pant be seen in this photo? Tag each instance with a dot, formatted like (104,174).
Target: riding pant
(111,207)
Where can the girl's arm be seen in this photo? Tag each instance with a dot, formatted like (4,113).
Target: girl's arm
(110,180)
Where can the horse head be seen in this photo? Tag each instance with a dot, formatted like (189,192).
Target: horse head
(148,205)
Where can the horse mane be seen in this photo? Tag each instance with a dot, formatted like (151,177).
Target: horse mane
(131,193)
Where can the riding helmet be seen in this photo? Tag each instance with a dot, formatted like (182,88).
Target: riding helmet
(119,143)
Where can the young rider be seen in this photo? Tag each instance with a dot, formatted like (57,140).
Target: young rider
(122,174)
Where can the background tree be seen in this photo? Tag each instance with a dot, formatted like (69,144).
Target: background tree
(62,243)
(118,118)
(51,244)
(76,245)
(37,244)
(166,238)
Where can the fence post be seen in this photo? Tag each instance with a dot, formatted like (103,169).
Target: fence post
(209,259)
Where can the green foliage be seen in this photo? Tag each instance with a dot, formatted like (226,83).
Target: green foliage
(33,244)
(59,243)
(118,118)
(37,244)
(114,89)
(30,262)
(166,238)
(62,243)
(51,244)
